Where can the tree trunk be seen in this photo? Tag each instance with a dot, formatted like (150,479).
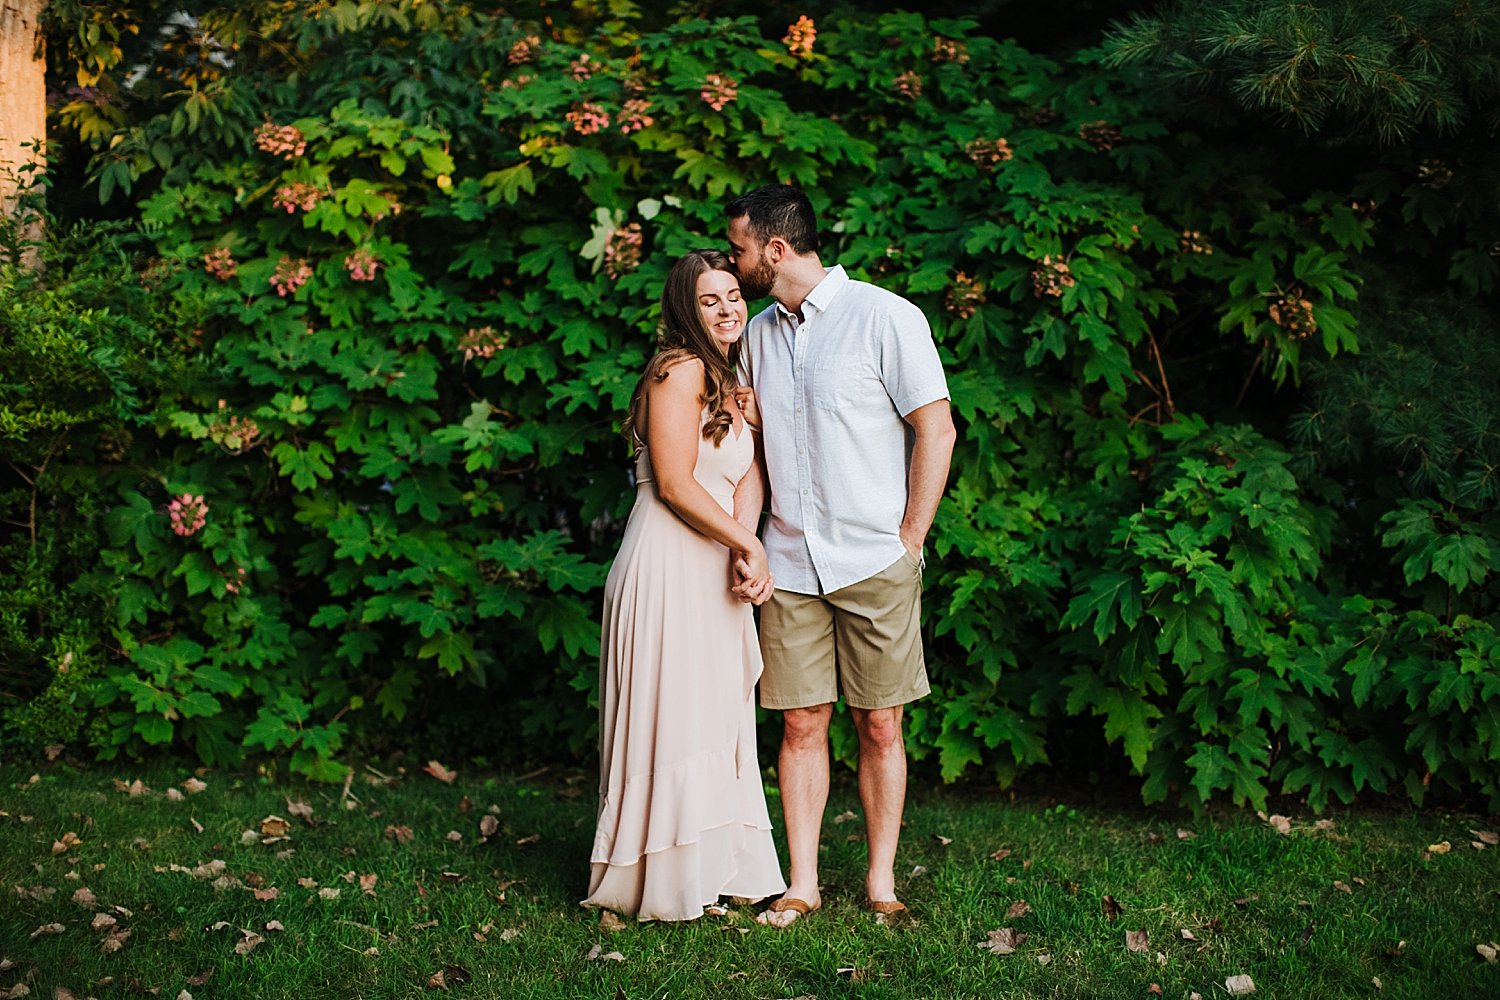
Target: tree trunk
(23,101)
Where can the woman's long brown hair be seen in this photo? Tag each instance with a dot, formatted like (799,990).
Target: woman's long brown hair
(683,335)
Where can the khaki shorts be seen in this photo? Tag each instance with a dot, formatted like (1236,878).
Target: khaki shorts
(864,639)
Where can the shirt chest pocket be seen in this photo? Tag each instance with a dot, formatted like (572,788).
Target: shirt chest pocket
(843,380)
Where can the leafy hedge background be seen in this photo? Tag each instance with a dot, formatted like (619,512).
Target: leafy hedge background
(374,280)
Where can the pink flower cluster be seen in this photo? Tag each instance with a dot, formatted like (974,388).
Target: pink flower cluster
(1051,277)
(362,265)
(524,50)
(719,90)
(480,342)
(187,514)
(633,116)
(281,140)
(622,251)
(517,83)
(290,275)
(220,264)
(965,295)
(587,119)
(908,85)
(237,434)
(989,152)
(297,195)
(232,584)
(799,37)
(949,50)
(580,69)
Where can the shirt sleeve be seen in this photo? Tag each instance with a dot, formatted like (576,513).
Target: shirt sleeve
(909,364)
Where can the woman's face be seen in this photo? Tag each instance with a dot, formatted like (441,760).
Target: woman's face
(721,306)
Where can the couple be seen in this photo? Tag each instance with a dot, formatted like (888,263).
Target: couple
(845,419)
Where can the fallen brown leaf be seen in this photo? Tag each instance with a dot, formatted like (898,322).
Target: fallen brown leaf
(1343,886)
(440,772)
(509,934)
(274,826)
(299,809)
(488,825)
(1137,941)
(247,943)
(367,883)
(400,834)
(329,893)
(1017,910)
(266,894)
(452,878)
(103,922)
(47,929)
(944,841)
(453,836)
(465,805)
(1282,825)
(1238,986)
(274,926)
(1154,989)
(193,786)
(1111,908)
(844,817)
(1187,935)
(41,893)
(1396,950)
(1489,952)
(114,940)
(1000,855)
(1003,941)
(531,839)
(1487,836)
(201,978)
(1185,834)
(1324,824)
(598,954)
(69,839)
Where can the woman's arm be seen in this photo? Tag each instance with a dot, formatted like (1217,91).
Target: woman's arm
(749,503)
(674,425)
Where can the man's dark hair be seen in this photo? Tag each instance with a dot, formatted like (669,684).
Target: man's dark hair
(778,210)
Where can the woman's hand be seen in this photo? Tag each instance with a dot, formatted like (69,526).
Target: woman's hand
(753,571)
(749,406)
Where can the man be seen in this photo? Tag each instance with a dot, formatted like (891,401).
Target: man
(858,436)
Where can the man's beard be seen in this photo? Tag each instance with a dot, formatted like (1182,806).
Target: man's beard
(756,283)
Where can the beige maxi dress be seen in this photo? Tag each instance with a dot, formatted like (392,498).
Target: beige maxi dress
(682,814)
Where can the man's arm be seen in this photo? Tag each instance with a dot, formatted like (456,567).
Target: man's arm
(928,477)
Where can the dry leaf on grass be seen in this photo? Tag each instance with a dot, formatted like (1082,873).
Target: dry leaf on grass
(47,929)
(598,954)
(1017,910)
(328,893)
(1138,941)
(175,795)
(453,836)
(1442,847)
(201,978)
(1281,824)
(1003,941)
(69,839)
(367,883)
(610,923)
(944,841)
(114,940)
(509,934)
(488,825)
(531,839)
(103,922)
(1489,952)
(275,826)
(18,990)
(40,893)
(1238,986)
(1185,834)
(440,772)
(844,817)
(1487,836)
(1000,855)
(247,943)
(193,786)
(1187,935)
(400,834)
(1111,908)
(918,870)
(274,926)
(1324,824)
(265,895)
(299,809)
(1343,886)
(1154,989)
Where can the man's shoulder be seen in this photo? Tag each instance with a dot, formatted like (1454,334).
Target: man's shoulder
(867,295)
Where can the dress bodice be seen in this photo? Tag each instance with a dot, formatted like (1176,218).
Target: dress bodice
(719,469)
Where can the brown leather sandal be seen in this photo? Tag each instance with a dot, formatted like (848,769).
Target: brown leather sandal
(887,907)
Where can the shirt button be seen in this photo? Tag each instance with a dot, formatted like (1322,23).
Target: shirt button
(806,492)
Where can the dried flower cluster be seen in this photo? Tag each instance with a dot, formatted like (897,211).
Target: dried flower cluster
(1434,174)
(285,141)
(1293,312)
(362,265)
(1037,115)
(290,275)
(908,85)
(233,433)
(719,90)
(633,115)
(581,68)
(989,152)
(187,513)
(799,37)
(480,342)
(587,119)
(297,195)
(524,50)
(219,263)
(622,251)
(1193,241)
(1051,276)
(965,295)
(1101,135)
(949,50)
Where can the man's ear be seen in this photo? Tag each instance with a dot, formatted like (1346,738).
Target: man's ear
(777,248)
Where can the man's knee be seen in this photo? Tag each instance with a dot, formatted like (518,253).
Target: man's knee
(806,728)
(879,729)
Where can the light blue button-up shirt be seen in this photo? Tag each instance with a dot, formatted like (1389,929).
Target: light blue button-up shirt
(833,391)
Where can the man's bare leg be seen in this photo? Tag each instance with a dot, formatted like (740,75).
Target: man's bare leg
(882,792)
(802,773)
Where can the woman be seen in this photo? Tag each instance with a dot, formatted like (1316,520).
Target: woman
(682,815)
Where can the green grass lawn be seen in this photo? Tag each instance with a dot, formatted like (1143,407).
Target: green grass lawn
(1311,913)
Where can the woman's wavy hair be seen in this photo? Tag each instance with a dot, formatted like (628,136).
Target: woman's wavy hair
(683,335)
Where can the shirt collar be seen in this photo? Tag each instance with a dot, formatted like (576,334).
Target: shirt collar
(824,292)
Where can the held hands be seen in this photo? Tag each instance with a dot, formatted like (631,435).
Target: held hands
(753,573)
(749,406)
